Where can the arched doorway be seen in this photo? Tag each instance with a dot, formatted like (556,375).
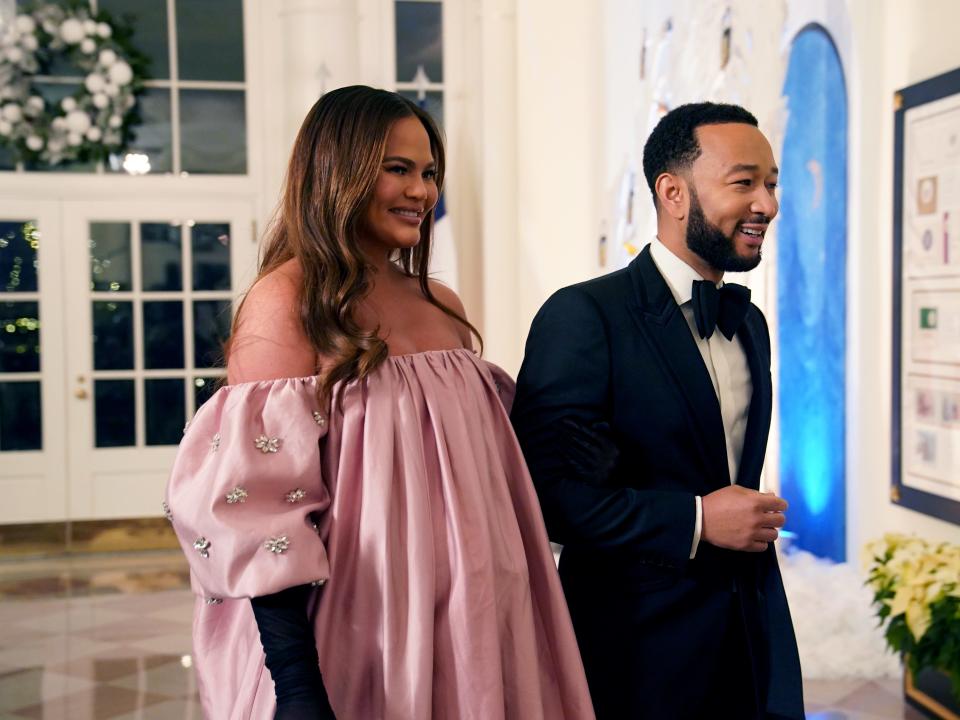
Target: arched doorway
(811,295)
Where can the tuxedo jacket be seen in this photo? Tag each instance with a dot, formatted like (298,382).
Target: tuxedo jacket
(649,621)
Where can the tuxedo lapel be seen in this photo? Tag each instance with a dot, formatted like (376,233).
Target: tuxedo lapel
(751,335)
(659,317)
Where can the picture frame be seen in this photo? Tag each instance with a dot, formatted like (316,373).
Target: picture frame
(926,298)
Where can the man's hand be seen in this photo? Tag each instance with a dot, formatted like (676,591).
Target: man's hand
(737,518)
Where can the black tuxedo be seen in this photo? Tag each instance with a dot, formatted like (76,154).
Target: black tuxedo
(650,622)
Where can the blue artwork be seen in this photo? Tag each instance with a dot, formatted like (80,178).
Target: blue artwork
(811,295)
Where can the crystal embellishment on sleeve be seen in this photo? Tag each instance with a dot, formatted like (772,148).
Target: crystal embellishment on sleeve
(215,443)
(202,546)
(277,545)
(237,495)
(166,511)
(318,583)
(319,418)
(214,601)
(267,444)
(297,495)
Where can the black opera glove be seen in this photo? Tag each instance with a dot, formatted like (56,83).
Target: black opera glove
(590,451)
(286,634)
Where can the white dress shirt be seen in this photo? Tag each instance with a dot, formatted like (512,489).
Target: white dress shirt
(724,359)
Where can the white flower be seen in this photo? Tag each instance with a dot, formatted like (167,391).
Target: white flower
(90,27)
(59,124)
(5,127)
(25,24)
(14,54)
(103,30)
(115,121)
(120,73)
(100,101)
(55,145)
(49,27)
(107,57)
(94,134)
(74,139)
(77,121)
(111,90)
(30,43)
(35,103)
(68,104)
(88,46)
(12,112)
(35,143)
(71,31)
(95,82)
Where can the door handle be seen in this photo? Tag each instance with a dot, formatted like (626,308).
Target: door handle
(81,394)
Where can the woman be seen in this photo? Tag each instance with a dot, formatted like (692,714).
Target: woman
(358,478)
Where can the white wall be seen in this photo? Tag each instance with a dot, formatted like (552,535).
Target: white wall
(884,45)
(559,114)
(898,46)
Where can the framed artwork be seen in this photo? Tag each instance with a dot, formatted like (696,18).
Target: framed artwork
(926,297)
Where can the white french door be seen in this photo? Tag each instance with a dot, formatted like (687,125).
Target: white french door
(149,288)
(32,404)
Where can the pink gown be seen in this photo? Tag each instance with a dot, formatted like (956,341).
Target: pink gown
(412,506)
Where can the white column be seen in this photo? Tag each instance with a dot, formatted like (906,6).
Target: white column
(559,147)
(300,49)
(489,148)
(319,50)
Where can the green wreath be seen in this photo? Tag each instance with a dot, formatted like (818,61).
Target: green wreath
(97,119)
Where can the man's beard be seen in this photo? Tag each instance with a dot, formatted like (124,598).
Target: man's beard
(708,241)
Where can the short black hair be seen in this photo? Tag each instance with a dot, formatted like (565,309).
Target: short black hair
(673,146)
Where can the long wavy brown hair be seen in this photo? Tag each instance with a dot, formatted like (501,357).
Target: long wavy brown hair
(330,181)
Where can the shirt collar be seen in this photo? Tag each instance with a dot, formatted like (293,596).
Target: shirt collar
(676,273)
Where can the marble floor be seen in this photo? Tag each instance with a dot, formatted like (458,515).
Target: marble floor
(108,637)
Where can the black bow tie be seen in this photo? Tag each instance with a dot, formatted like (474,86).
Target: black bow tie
(723,308)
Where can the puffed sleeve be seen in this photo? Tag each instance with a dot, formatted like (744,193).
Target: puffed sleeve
(246,489)
(506,388)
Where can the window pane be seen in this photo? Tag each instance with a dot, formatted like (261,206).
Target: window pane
(432,103)
(213,131)
(58,64)
(205,387)
(110,256)
(20,416)
(19,337)
(152,135)
(112,336)
(8,161)
(166,412)
(163,335)
(211,325)
(160,257)
(19,241)
(210,39)
(53,93)
(211,256)
(148,18)
(114,413)
(419,40)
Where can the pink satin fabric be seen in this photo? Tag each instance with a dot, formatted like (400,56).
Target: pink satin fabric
(442,599)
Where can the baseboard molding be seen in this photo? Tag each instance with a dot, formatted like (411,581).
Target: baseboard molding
(85,536)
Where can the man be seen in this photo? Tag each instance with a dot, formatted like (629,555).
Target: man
(643,408)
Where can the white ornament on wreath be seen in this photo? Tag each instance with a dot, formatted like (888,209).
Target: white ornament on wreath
(91,123)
